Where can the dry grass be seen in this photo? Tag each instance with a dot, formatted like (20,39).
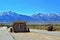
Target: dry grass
(43,27)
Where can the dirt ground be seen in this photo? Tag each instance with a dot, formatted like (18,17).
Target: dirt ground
(33,36)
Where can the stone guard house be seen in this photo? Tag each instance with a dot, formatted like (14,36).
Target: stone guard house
(20,27)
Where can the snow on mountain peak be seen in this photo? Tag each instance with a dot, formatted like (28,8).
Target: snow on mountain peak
(1,14)
(12,16)
(39,14)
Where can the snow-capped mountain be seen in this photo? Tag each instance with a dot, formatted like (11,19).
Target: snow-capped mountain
(47,17)
(9,17)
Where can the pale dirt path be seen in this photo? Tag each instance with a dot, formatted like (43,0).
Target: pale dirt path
(52,33)
(33,36)
(4,34)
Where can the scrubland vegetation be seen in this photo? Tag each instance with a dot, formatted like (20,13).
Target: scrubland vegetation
(41,27)
(44,27)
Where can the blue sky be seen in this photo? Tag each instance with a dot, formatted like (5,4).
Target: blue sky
(29,7)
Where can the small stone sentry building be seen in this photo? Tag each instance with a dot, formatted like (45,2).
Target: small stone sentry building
(50,28)
(19,27)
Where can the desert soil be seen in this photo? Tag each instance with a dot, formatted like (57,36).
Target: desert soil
(33,36)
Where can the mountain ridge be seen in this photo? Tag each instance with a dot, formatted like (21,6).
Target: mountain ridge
(9,17)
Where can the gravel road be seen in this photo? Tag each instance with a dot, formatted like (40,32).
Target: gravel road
(52,33)
(35,35)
